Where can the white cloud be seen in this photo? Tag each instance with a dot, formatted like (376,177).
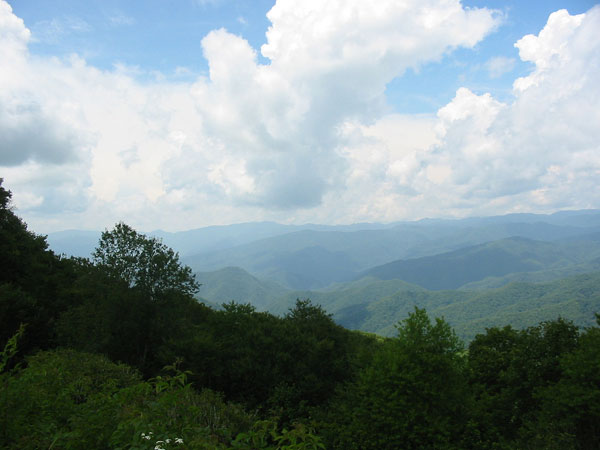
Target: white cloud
(499,66)
(542,151)
(53,31)
(550,49)
(306,137)
(14,36)
(119,19)
(330,63)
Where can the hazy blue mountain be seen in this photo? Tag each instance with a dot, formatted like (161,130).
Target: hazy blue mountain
(74,242)
(485,271)
(309,258)
(207,239)
(493,259)
(82,243)
(314,256)
(216,238)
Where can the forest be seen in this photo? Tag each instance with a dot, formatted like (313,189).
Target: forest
(115,352)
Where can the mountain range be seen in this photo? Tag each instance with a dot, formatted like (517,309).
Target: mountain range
(369,276)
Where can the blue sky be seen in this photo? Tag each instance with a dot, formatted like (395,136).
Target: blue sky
(346,114)
(155,35)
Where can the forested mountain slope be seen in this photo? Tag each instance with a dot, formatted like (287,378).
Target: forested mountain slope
(493,259)
(575,298)
(375,306)
(235,284)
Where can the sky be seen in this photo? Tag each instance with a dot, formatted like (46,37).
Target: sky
(181,114)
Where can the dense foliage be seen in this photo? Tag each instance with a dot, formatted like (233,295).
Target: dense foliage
(116,353)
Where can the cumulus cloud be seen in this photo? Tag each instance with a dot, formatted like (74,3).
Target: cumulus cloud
(330,64)
(29,128)
(539,152)
(543,149)
(13,34)
(306,137)
(29,133)
(267,137)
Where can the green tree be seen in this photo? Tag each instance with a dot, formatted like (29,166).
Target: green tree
(143,262)
(413,395)
(570,410)
(32,280)
(317,354)
(508,370)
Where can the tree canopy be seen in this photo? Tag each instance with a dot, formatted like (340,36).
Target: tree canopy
(143,262)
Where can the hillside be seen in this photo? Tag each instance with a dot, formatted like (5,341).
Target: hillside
(235,284)
(519,304)
(376,306)
(497,259)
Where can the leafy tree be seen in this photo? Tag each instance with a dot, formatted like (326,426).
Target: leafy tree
(317,351)
(126,324)
(413,395)
(570,409)
(71,400)
(143,262)
(508,370)
(32,280)
(240,352)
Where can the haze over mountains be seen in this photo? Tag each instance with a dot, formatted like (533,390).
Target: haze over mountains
(369,276)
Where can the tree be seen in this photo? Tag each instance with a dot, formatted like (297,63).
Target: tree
(134,302)
(570,412)
(143,262)
(413,394)
(318,352)
(31,280)
(508,370)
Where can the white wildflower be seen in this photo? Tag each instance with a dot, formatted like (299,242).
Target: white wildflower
(178,441)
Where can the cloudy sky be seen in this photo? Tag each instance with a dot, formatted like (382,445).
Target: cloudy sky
(180,114)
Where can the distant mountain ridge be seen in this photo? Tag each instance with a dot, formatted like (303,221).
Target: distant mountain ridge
(311,259)
(315,256)
(207,239)
(493,259)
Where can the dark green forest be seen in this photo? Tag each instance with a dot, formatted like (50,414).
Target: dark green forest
(115,352)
